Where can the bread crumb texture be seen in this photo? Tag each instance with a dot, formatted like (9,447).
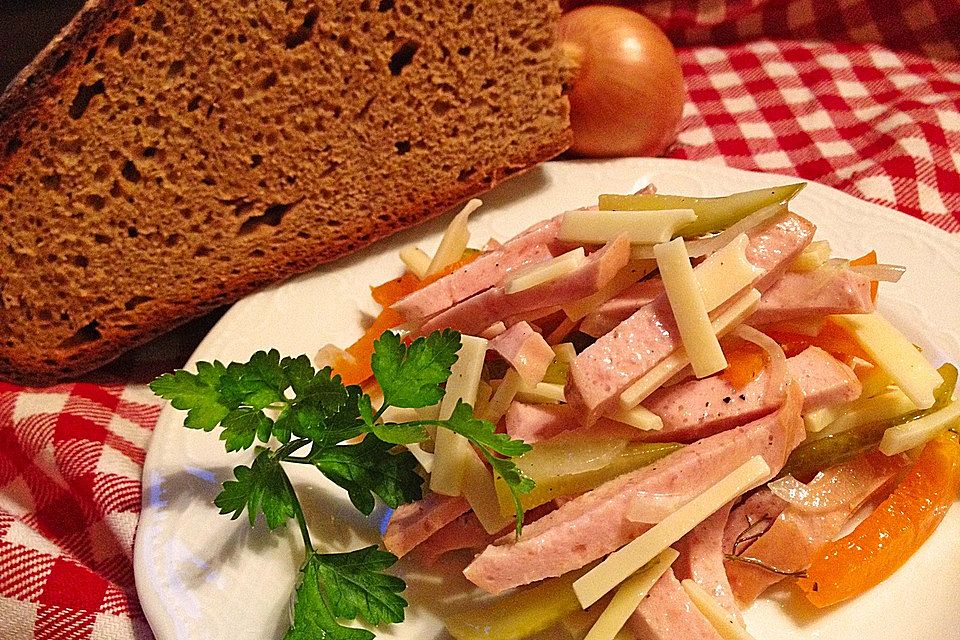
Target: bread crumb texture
(165,157)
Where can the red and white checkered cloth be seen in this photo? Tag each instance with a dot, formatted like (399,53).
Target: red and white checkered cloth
(789,86)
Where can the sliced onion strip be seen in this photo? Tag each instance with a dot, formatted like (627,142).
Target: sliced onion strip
(779,374)
(880,272)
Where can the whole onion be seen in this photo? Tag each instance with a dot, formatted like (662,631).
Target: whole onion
(627,94)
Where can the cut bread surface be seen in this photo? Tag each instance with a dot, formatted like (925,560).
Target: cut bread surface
(162,158)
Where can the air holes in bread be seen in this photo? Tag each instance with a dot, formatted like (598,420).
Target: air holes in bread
(135,301)
(302,33)
(402,56)
(130,172)
(96,202)
(61,62)
(124,40)
(51,182)
(87,333)
(271,217)
(175,69)
(159,20)
(403,147)
(12,145)
(84,95)
(269,81)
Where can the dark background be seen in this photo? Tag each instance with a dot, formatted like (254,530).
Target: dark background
(26,26)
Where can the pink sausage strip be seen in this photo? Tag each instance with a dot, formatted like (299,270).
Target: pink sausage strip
(482,273)
(596,523)
(602,371)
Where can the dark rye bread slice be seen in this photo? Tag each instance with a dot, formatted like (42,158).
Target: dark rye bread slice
(164,157)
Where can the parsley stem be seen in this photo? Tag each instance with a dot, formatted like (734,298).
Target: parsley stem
(298,513)
(283,452)
(380,412)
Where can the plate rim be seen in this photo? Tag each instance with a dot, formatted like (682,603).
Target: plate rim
(151,602)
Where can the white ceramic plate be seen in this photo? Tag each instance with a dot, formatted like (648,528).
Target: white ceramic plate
(201,575)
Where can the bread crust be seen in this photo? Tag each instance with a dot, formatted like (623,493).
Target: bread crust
(22,106)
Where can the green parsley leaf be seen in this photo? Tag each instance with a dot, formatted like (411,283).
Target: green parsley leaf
(241,426)
(312,618)
(257,383)
(411,376)
(400,433)
(260,488)
(367,468)
(325,419)
(366,410)
(357,588)
(517,482)
(482,432)
(195,392)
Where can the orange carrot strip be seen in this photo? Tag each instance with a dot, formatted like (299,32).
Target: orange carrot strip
(832,338)
(392,290)
(870,258)
(358,370)
(744,363)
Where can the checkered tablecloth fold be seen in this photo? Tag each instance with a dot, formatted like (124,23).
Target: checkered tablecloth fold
(881,125)
(70,463)
(861,95)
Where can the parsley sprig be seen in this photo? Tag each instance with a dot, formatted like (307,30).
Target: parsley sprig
(300,415)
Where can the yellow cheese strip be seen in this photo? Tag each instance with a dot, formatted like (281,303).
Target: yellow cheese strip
(416,261)
(726,273)
(916,432)
(689,310)
(503,396)
(895,354)
(518,615)
(541,393)
(565,352)
(544,272)
(664,370)
(620,564)
(479,491)
(639,417)
(719,618)
(633,272)
(451,448)
(454,240)
(484,393)
(816,420)
(874,379)
(629,596)
(425,458)
(429,413)
(641,227)
(450,451)
(812,257)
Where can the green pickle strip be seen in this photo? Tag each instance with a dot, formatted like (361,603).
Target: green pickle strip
(812,457)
